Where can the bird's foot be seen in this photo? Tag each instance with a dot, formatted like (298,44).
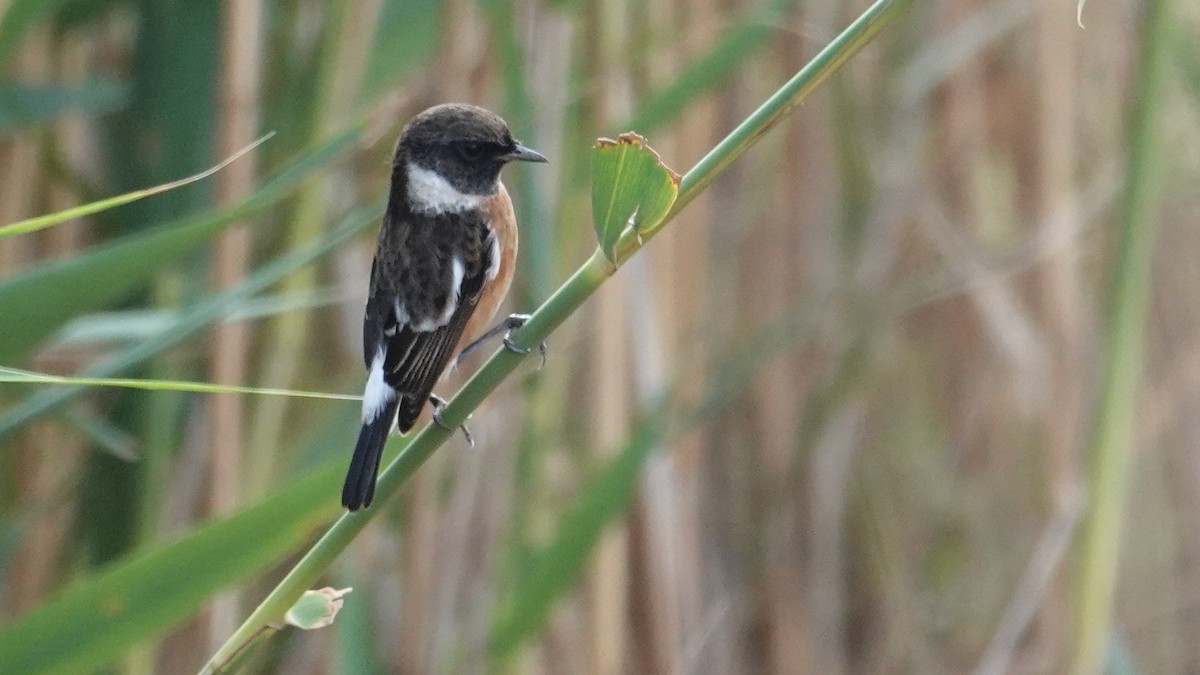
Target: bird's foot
(439,404)
(511,324)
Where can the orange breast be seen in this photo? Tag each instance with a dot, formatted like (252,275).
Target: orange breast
(499,211)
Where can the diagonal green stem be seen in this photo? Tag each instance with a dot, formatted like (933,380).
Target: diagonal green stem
(1112,443)
(565,301)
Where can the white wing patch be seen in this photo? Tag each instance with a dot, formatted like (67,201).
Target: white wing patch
(377,394)
(457,270)
(432,194)
(494,261)
(401,313)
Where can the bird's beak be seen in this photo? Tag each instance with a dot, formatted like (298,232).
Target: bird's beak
(524,154)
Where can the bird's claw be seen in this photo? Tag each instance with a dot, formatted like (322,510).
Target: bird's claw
(514,322)
(439,405)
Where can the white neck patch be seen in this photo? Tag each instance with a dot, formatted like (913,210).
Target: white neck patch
(432,194)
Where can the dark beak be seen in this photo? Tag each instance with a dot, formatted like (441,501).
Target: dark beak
(524,154)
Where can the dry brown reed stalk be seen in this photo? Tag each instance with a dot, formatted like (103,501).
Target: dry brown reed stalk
(339,74)
(19,198)
(48,545)
(666,588)
(609,579)
(20,155)
(667,531)
(74,55)
(796,241)
(240,83)
(1063,295)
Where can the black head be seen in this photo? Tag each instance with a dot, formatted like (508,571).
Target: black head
(464,144)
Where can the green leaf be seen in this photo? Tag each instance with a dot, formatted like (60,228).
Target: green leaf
(316,609)
(629,181)
(23,104)
(45,297)
(552,571)
(98,619)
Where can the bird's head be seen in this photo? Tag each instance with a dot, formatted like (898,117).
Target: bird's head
(463,145)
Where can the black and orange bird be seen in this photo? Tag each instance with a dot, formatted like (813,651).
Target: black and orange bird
(443,264)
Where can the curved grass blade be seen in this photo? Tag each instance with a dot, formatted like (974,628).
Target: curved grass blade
(52,219)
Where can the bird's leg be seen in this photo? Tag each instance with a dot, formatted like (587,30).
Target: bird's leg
(507,326)
(439,404)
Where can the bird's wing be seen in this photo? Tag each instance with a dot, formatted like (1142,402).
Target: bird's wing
(421,301)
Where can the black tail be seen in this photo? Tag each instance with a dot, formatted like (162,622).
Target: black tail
(359,489)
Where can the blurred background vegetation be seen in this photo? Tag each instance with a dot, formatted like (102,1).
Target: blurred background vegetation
(848,414)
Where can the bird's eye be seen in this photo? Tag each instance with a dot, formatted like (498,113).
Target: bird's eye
(471,151)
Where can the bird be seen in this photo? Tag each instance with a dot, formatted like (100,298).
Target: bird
(443,263)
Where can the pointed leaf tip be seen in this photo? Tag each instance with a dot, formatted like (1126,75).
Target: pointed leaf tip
(630,186)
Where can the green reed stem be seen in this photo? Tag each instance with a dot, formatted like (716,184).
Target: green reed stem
(1112,441)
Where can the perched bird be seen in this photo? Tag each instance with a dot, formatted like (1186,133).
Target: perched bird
(443,263)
